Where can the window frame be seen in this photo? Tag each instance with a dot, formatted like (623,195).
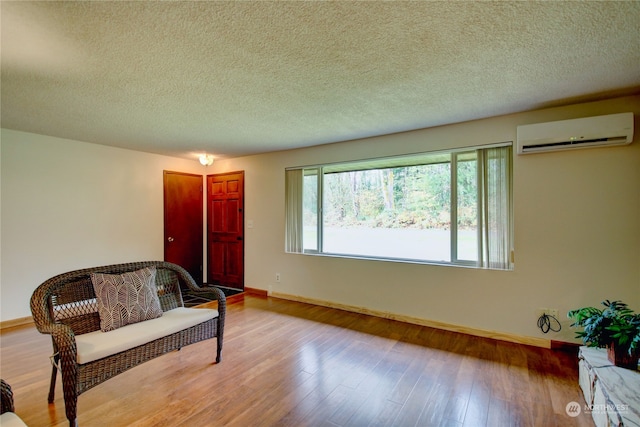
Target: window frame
(319,171)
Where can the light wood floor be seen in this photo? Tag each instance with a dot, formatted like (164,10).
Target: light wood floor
(291,364)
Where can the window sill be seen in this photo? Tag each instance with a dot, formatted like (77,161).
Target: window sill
(469,265)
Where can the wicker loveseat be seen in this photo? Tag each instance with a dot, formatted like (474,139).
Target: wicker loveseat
(8,418)
(66,307)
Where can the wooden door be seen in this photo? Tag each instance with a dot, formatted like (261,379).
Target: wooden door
(225,229)
(183,221)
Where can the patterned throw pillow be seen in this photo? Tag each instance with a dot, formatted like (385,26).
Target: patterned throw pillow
(126,298)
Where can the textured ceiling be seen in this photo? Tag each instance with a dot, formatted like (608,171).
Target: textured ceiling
(237,78)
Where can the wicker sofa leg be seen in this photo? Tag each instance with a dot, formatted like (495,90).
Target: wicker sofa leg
(54,374)
(222,307)
(70,407)
(70,389)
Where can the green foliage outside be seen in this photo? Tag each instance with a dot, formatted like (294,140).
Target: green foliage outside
(405,197)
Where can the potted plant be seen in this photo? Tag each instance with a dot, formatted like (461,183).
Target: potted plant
(616,328)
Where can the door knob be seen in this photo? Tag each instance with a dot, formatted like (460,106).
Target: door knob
(170,239)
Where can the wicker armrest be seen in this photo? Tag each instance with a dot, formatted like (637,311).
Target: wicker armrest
(186,278)
(219,295)
(40,310)
(7,398)
(64,341)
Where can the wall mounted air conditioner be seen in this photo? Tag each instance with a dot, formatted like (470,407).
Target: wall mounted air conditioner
(612,129)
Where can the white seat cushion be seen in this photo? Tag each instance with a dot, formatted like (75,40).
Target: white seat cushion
(9,419)
(96,345)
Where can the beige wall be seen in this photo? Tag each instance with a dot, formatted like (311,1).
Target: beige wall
(67,204)
(577,232)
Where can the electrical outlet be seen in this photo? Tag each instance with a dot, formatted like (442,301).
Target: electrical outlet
(548,311)
(278,277)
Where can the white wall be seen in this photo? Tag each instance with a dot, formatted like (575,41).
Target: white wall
(68,205)
(577,232)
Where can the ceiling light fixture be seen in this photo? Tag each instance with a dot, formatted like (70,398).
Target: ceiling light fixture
(206,159)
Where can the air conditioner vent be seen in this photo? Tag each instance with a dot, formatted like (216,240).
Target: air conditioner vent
(609,130)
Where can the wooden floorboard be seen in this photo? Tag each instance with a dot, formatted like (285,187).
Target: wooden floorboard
(292,364)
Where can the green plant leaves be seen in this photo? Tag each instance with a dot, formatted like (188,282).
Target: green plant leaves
(616,323)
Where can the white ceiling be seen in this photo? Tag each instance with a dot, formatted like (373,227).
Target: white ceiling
(237,78)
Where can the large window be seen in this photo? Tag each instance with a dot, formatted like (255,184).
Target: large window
(445,207)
